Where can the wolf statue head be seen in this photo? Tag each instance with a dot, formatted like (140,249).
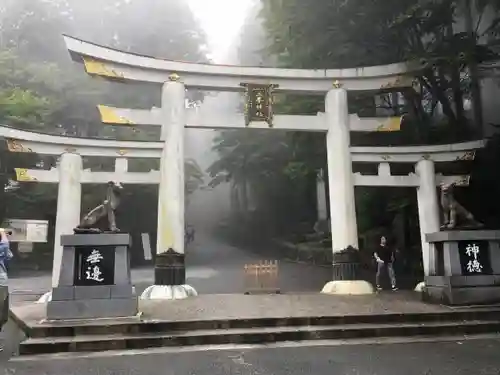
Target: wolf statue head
(446,188)
(115,185)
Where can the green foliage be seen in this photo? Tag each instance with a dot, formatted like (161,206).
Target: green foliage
(23,108)
(41,89)
(194,176)
(355,33)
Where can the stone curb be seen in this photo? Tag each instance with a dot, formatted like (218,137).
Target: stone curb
(221,337)
(20,323)
(120,327)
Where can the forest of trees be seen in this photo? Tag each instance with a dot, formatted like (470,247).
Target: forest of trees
(450,38)
(41,89)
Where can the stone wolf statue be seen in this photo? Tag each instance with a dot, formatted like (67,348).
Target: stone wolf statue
(105,211)
(453,210)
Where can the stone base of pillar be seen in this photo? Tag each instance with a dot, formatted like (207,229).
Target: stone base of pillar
(346,278)
(170,278)
(169,292)
(348,287)
(47,297)
(420,287)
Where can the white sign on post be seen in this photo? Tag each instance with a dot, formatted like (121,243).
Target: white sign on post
(27,230)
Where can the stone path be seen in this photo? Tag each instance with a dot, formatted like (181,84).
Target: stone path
(212,267)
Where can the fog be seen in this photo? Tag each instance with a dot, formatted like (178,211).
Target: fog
(32,31)
(207,207)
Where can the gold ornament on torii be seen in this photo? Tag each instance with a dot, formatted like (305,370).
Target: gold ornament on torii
(23,176)
(337,84)
(174,77)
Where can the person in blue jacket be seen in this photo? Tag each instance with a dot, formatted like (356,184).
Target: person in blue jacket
(5,256)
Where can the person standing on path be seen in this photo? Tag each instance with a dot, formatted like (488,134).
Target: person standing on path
(385,255)
(5,256)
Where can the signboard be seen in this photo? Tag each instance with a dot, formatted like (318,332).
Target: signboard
(474,258)
(25,247)
(258,103)
(27,230)
(94,265)
(262,277)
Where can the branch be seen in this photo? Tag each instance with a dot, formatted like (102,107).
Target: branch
(479,19)
(435,89)
(434,105)
(493,24)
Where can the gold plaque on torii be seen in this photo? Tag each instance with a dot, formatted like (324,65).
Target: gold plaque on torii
(259,103)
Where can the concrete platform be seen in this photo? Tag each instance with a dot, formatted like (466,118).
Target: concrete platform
(235,306)
(241,319)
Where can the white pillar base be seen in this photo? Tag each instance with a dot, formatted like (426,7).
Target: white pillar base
(420,287)
(348,287)
(47,297)
(168,292)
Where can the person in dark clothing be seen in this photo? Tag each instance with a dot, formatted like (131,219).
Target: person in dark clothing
(385,255)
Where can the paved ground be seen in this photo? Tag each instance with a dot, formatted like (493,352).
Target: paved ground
(465,357)
(239,306)
(212,267)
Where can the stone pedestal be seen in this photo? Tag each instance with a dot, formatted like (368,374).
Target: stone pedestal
(466,267)
(95,280)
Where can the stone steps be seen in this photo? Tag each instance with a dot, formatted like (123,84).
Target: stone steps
(133,325)
(121,336)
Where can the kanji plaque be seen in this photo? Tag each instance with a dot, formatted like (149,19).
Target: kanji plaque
(259,103)
(94,265)
(474,257)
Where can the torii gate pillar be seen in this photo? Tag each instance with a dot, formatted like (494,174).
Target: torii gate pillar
(170,271)
(346,265)
(69,199)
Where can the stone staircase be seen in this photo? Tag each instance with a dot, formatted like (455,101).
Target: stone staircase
(104,335)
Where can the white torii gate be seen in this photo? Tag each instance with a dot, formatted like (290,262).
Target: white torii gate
(69,174)
(336,122)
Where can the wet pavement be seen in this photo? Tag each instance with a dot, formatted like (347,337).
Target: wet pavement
(211,267)
(274,306)
(463,357)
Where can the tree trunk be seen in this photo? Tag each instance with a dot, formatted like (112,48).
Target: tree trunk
(458,97)
(417,112)
(327,191)
(244,196)
(473,71)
